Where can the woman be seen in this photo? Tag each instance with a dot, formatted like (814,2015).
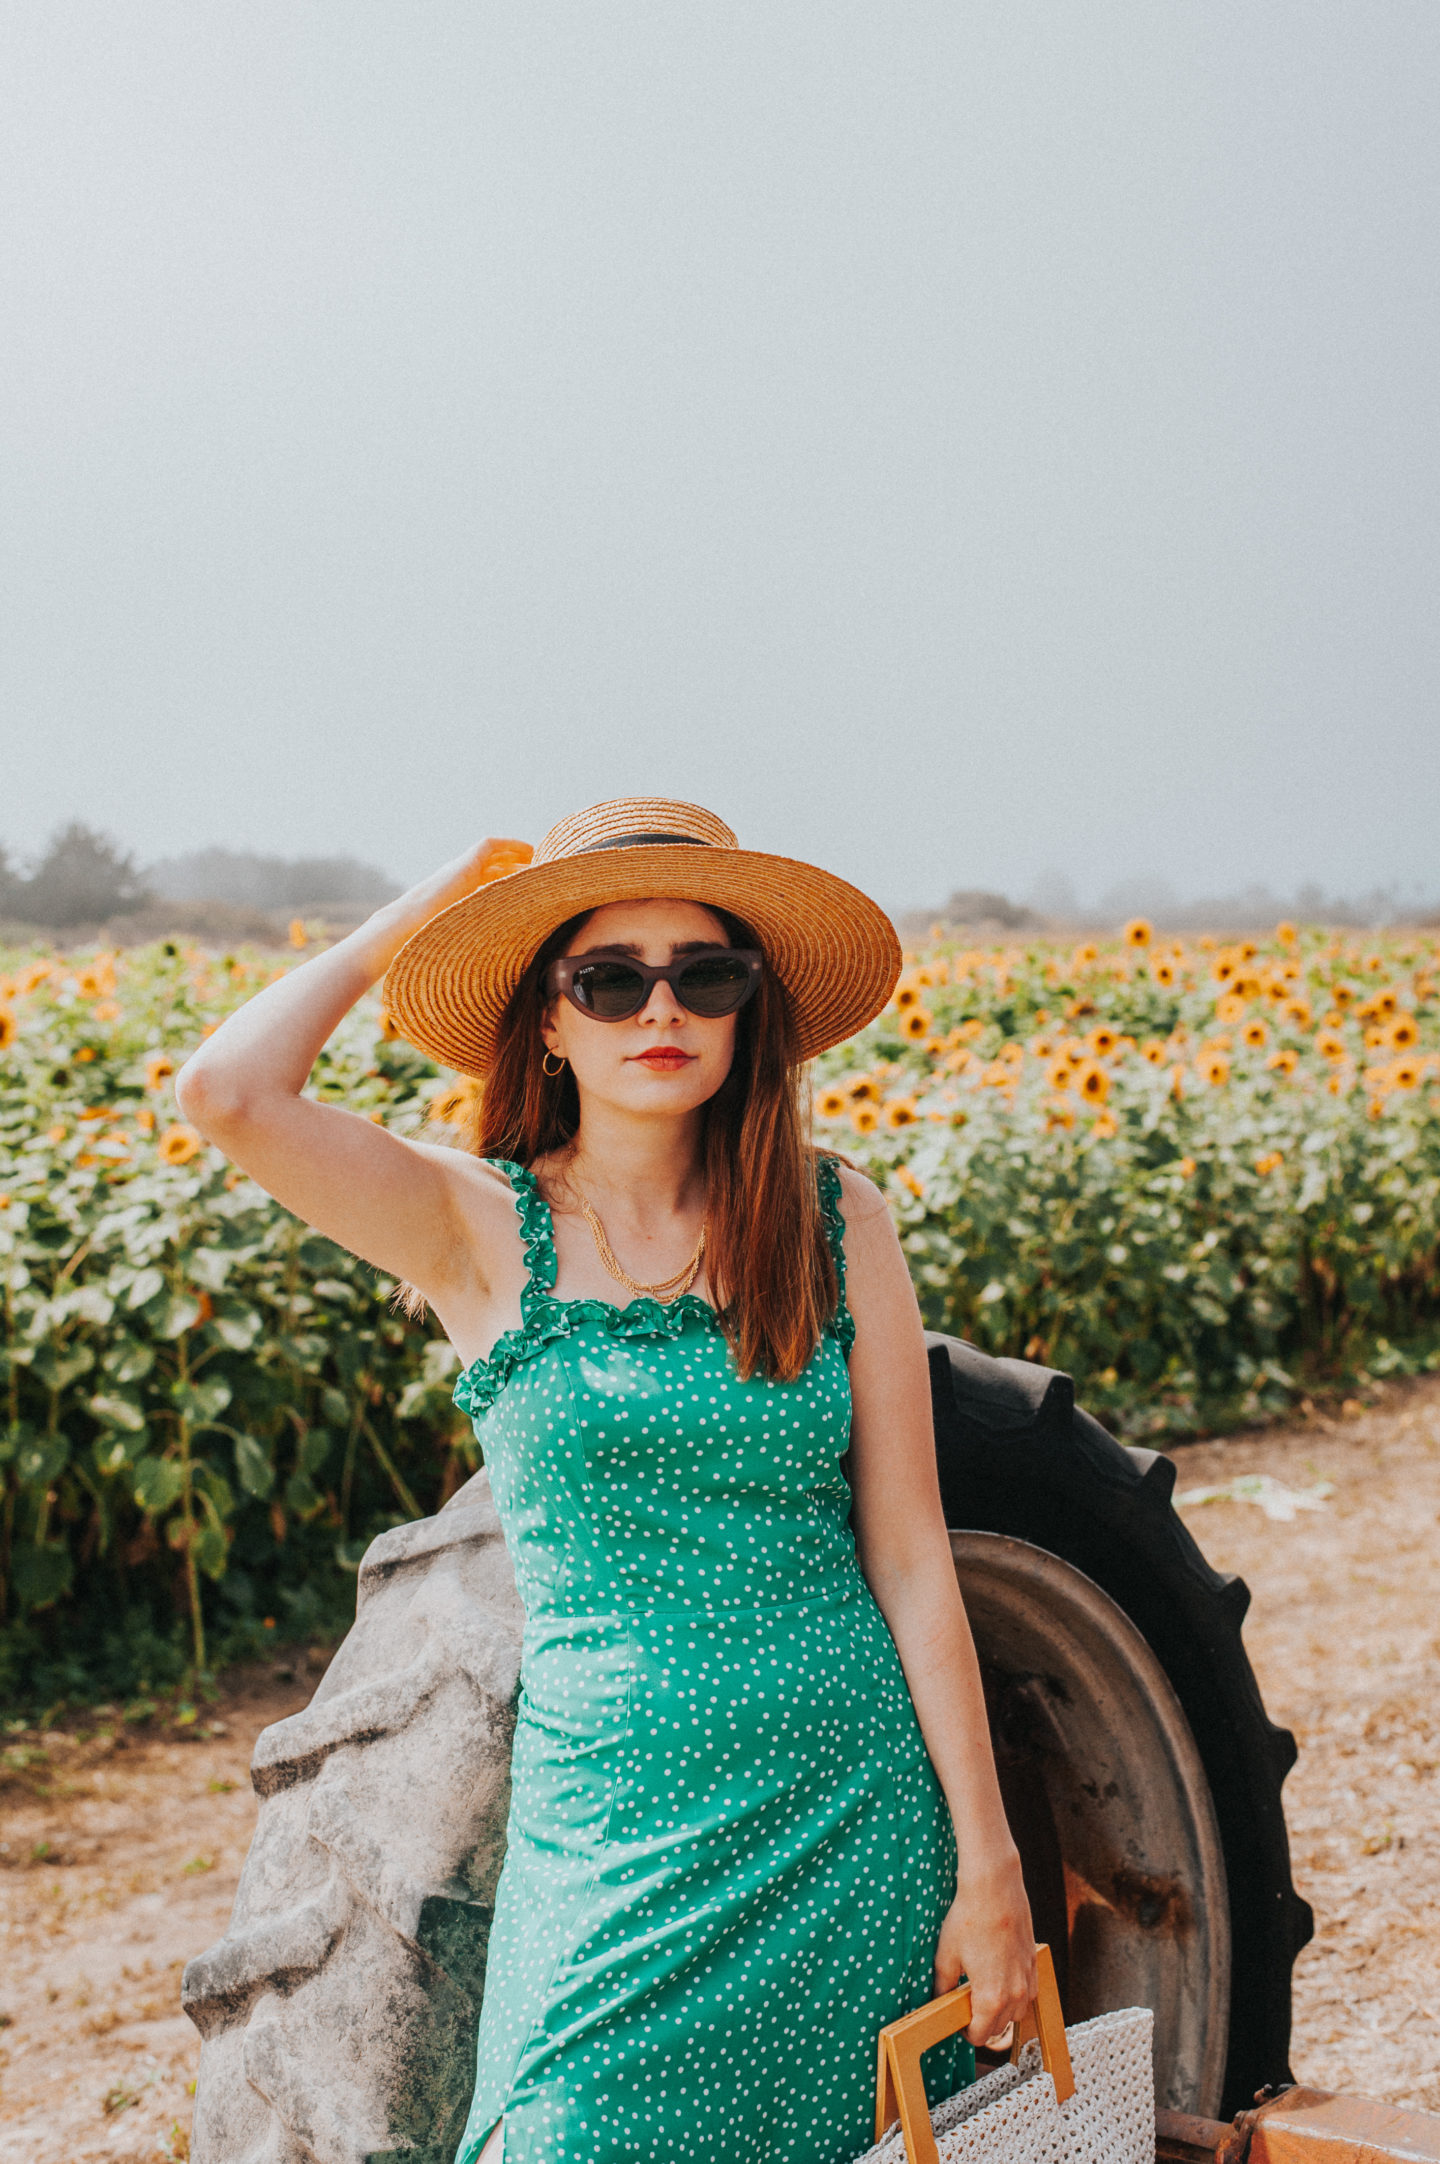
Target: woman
(755,1813)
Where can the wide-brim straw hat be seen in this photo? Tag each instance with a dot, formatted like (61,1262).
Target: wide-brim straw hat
(834,950)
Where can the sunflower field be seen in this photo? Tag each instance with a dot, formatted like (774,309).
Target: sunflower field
(208,1411)
(1204,1179)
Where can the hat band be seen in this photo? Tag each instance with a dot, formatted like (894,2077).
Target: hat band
(633,841)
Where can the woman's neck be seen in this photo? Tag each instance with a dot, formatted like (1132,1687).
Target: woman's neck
(641,1168)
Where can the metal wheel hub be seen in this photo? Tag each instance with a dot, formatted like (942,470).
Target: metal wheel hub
(1109,1805)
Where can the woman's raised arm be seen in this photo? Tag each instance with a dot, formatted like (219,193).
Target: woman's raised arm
(387,1199)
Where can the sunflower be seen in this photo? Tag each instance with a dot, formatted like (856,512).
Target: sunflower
(145,1120)
(1403,1034)
(1153,1049)
(1102,1042)
(908,1180)
(178,1145)
(1285,1061)
(1405,1074)
(1271,1161)
(900,1112)
(1247,950)
(830,1103)
(1186,1168)
(1058,1115)
(1105,1127)
(1376,1037)
(1092,1082)
(1255,1033)
(1084,954)
(1137,933)
(1342,994)
(907,994)
(1330,1044)
(915,1023)
(1229,1007)
(299,937)
(1224,966)
(1286,934)
(1297,1012)
(999,1075)
(1058,1074)
(1163,973)
(1042,1047)
(34,973)
(1214,1068)
(158,1069)
(864,1119)
(7,1028)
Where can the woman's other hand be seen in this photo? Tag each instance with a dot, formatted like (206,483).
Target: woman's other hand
(988,1936)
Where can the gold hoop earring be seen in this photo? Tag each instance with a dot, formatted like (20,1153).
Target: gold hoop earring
(547,1069)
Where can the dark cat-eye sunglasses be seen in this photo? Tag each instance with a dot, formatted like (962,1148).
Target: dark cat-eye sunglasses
(611,987)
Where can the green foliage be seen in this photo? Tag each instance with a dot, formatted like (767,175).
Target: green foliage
(206,1412)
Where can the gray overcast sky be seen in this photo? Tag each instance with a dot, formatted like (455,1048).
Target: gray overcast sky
(954,442)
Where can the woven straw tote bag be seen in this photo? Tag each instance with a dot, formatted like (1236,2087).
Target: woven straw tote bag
(1084,2095)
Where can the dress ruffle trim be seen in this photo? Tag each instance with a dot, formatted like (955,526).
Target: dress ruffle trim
(545,1319)
(548,1320)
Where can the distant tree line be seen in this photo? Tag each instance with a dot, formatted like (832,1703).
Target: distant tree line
(84,877)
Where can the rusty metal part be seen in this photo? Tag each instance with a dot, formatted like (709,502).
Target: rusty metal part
(1310,2126)
(1302,2126)
(1182,2139)
(1109,1804)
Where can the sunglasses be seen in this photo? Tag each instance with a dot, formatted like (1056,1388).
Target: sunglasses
(611,987)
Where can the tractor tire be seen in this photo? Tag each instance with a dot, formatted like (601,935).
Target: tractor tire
(338,2014)
(1141,1773)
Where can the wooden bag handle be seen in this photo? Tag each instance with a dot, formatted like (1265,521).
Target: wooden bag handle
(900,2085)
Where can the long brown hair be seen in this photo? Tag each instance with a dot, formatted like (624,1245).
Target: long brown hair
(771,1271)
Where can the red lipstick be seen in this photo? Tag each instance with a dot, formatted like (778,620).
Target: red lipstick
(664,1059)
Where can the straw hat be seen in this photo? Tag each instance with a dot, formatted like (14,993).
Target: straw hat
(833,949)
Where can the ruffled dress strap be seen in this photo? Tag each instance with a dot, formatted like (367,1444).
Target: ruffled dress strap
(827,1178)
(537,1235)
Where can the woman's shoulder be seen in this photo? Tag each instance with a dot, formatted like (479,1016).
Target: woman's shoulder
(489,1183)
(858,1196)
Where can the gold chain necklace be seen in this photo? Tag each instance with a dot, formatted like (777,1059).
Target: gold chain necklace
(668,1288)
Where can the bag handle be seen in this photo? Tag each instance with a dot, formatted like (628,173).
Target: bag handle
(900,2085)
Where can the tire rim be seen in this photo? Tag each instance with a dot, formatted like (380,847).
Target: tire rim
(1109,1805)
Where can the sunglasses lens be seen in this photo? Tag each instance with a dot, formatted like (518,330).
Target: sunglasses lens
(714,984)
(609,990)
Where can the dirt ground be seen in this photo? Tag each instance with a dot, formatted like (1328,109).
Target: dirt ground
(121,1843)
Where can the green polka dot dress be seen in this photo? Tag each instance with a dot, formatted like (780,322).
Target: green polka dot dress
(729,1855)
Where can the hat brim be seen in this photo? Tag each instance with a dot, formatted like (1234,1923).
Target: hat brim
(834,950)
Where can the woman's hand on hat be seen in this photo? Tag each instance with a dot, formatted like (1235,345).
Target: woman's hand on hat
(493,858)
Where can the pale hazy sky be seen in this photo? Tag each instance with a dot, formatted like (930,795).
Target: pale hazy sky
(954,442)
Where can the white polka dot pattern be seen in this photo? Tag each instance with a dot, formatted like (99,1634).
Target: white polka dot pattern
(728,1853)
